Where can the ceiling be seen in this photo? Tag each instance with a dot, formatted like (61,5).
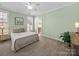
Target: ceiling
(39,8)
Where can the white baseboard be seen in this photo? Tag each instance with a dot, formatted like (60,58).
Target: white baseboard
(51,37)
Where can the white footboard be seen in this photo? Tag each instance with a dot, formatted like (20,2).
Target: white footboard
(21,42)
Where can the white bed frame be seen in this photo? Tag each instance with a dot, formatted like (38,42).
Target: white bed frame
(19,40)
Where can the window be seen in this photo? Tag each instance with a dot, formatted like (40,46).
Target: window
(3,22)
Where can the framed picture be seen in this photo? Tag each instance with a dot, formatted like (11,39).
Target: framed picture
(19,20)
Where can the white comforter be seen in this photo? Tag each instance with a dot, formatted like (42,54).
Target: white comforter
(18,38)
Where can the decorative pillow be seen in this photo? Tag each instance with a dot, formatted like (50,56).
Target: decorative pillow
(21,30)
(18,30)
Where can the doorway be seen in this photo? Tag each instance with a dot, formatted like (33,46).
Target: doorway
(38,25)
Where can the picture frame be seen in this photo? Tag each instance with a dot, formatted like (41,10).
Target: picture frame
(19,20)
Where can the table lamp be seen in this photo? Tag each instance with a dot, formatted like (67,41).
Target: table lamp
(1,27)
(77,27)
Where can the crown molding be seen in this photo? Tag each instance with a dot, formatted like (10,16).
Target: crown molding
(57,9)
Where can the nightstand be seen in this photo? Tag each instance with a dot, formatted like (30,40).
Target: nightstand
(4,36)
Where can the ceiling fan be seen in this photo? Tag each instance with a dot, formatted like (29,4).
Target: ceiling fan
(31,6)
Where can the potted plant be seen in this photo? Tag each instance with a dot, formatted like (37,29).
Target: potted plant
(66,38)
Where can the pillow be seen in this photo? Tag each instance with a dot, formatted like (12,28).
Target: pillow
(21,30)
(18,30)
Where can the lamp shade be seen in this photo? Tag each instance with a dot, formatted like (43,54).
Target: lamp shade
(77,25)
(2,27)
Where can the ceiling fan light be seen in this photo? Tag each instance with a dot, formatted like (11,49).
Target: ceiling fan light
(29,7)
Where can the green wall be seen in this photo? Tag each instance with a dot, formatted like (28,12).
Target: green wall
(60,20)
(11,18)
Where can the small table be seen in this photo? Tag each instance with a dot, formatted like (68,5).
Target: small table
(74,43)
(4,36)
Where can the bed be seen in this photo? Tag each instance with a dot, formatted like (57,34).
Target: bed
(19,40)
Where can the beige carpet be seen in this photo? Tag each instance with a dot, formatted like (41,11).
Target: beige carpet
(44,47)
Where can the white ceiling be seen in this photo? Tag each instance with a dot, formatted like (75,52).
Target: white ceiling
(38,7)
